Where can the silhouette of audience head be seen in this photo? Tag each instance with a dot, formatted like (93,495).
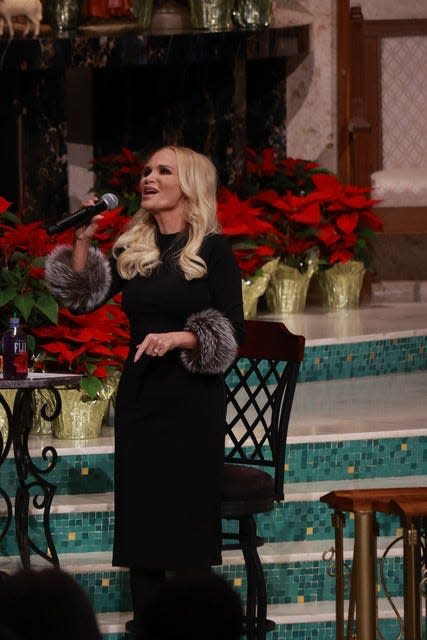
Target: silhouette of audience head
(45,604)
(190,607)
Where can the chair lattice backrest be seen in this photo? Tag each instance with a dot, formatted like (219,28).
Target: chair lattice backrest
(260,387)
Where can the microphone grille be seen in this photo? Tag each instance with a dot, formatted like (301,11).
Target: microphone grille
(111,200)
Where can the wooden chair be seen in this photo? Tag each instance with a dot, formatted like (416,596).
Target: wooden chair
(260,388)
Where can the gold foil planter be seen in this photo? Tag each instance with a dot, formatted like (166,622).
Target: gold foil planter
(81,418)
(211,15)
(287,289)
(252,14)
(340,285)
(9,396)
(42,398)
(253,288)
(143,10)
(64,15)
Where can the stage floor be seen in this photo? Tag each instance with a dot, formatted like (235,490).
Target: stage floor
(360,408)
(375,321)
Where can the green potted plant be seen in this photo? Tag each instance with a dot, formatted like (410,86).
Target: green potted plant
(93,345)
(323,223)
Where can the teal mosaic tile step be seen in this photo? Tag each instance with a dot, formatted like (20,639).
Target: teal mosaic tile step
(356,459)
(359,359)
(290,583)
(107,590)
(389,630)
(74,474)
(372,358)
(93,531)
(304,462)
(292,521)
(71,532)
(298,582)
(306,631)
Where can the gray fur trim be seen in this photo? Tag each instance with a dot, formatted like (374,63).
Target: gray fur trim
(217,345)
(80,292)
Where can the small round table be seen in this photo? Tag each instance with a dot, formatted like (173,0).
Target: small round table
(31,481)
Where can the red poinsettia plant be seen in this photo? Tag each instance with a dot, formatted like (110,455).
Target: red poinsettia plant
(121,173)
(93,344)
(308,210)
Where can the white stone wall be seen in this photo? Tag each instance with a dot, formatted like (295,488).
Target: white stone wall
(80,178)
(392,9)
(311,86)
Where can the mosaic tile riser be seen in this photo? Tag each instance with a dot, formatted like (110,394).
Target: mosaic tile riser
(83,532)
(377,357)
(305,462)
(359,359)
(294,582)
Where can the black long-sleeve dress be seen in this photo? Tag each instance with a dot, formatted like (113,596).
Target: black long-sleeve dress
(169,415)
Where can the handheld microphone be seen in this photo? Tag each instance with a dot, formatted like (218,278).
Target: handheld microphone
(85,214)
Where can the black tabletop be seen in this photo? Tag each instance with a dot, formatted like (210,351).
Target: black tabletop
(42,380)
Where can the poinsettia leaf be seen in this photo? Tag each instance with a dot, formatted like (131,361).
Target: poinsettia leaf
(244,245)
(6,295)
(24,304)
(18,255)
(8,216)
(48,306)
(38,261)
(31,341)
(91,386)
(367,233)
(10,277)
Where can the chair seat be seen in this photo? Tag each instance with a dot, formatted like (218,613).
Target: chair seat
(246,490)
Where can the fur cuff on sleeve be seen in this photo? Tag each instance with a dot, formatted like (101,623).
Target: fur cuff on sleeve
(217,345)
(80,292)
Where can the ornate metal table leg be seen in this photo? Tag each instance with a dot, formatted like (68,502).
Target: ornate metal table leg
(412,572)
(5,443)
(365,575)
(338,521)
(32,485)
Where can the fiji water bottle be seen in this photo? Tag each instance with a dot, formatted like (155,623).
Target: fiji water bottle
(15,353)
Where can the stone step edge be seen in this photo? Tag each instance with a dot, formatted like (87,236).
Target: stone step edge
(307,612)
(270,553)
(294,492)
(105,443)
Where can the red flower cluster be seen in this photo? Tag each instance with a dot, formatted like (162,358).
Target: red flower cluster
(291,207)
(120,172)
(255,240)
(94,344)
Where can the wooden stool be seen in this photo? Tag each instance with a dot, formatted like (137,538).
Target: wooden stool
(409,503)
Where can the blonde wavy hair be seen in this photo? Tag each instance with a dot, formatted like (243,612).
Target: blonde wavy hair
(136,249)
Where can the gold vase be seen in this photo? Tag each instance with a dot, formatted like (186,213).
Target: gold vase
(253,288)
(43,400)
(211,15)
(9,397)
(340,285)
(64,15)
(81,418)
(40,398)
(143,10)
(287,289)
(252,14)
